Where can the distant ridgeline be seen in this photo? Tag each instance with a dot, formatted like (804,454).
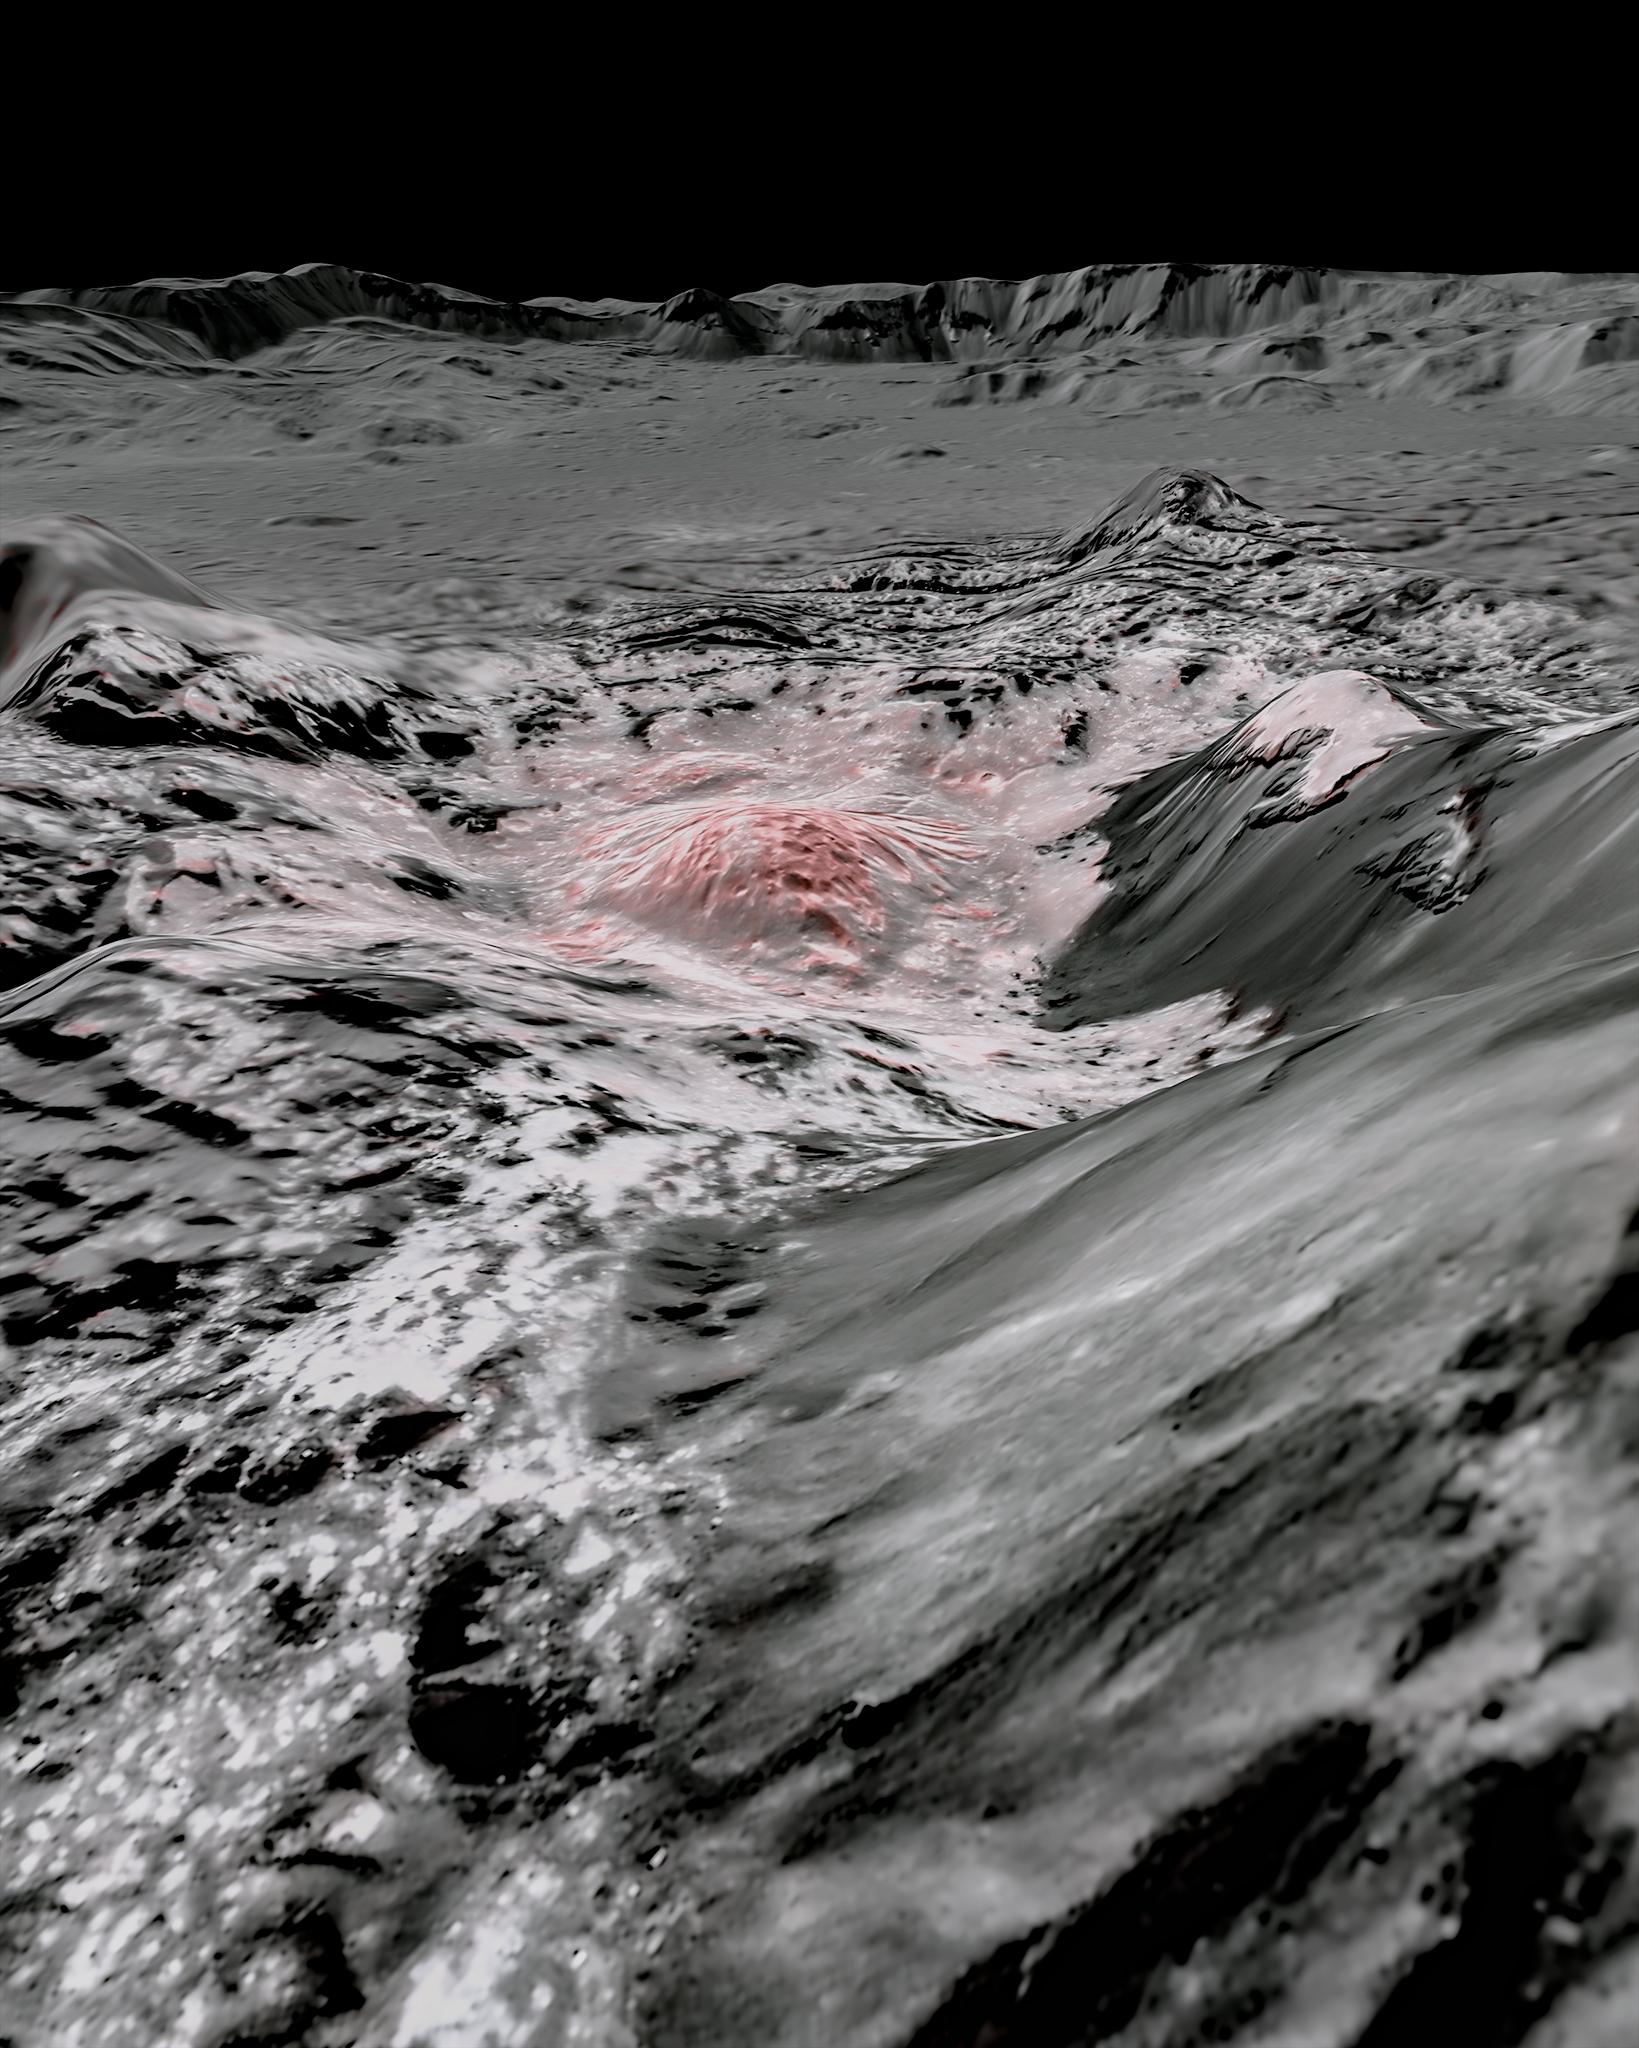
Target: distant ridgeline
(949,320)
(1123,336)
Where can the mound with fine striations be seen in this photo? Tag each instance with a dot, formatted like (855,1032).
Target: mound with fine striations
(897,1311)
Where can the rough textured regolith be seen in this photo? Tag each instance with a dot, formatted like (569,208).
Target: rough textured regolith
(821,1205)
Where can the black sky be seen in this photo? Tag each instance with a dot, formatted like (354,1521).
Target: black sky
(550,203)
(811,148)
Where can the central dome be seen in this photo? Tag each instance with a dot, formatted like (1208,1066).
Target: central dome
(780,873)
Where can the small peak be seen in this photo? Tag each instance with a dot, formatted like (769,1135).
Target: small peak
(1166,497)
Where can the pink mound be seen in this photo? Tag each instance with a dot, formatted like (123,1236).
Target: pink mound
(776,872)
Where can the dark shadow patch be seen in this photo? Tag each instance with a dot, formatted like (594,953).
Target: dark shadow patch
(1615,1311)
(1084,1978)
(1531,1859)
(286,1473)
(1448,1608)
(394,1436)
